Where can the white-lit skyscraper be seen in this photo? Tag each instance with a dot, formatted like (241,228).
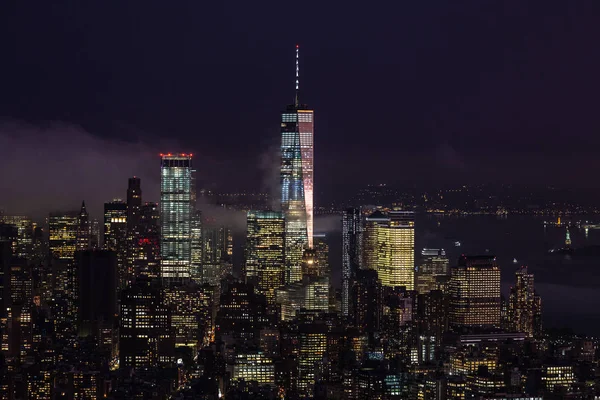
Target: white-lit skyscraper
(177,203)
(297,147)
(351,252)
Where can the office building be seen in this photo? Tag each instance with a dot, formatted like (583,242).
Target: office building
(177,205)
(242,312)
(146,335)
(115,238)
(84,229)
(297,130)
(474,290)
(25,229)
(366,300)
(63,229)
(389,247)
(97,273)
(147,252)
(525,305)
(134,205)
(352,230)
(252,367)
(265,241)
(217,250)
(432,271)
(311,295)
(312,348)
(196,251)
(191,313)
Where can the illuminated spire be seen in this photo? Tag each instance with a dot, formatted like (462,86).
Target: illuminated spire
(297,75)
(568,238)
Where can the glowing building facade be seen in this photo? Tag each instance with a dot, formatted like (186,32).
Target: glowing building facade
(474,290)
(265,251)
(390,247)
(177,203)
(63,234)
(525,306)
(297,150)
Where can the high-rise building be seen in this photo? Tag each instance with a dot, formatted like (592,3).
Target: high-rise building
(312,349)
(389,247)
(351,252)
(196,252)
(97,270)
(311,294)
(242,311)
(63,229)
(252,367)
(525,305)
(25,229)
(115,238)
(146,335)
(297,131)
(321,255)
(147,252)
(264,265)
(366,296)
(134,204)
(432,269)
(177,205)
(217,250)
(474,290)
(190,313)
(10,234)
(83,229)
(5,258)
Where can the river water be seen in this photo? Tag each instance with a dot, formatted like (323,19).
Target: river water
(569,286)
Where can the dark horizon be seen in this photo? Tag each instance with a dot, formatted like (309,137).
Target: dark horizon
(445,92)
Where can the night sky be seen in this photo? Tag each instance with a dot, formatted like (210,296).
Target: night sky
(431,92)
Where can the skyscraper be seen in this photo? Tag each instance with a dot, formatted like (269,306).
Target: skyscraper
(25,229)
(115,238)
(432,269)
(147,257)
(390,247)
(134,204)
(177,204)
(217,250)
(475,292)
(97,270)
(83,229)
(524,305)
(366,295)
(146,334)
(297,148)
(63,234)
(264,264)
(351,252)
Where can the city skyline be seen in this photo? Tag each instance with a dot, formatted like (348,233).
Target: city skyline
(184,229)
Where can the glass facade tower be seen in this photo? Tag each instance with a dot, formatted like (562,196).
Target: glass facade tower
(264,251)
(177,203)
(297,151)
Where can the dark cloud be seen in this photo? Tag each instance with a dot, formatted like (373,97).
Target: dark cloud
(56,166)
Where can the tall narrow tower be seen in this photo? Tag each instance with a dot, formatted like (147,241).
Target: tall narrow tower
(297,148)
(176,211)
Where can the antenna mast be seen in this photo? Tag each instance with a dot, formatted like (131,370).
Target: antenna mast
(297,74)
